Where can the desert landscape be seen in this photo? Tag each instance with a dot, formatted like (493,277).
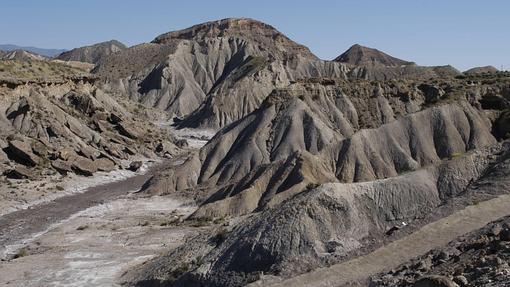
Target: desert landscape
(227,154)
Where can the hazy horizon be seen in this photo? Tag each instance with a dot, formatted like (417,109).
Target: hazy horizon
(463,34)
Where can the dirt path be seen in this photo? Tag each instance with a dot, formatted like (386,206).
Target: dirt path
(21,224)
(433,235)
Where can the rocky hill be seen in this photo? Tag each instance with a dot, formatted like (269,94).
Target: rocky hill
(205,69)
(49,53)
(353,131)
(481,70)
(358,55)
(53,118)
(215,73)
(384,136)
(22,55)
(312,162)
(92,54)
(372,64)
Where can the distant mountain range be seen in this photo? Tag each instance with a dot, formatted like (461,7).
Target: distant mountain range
(40,51)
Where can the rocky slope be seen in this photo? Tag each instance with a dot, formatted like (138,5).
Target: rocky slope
(209,67)
(49,53)
(69,125)
(481,70)
(410,147)
(328,224)
(92,54)
(372,64)
(320,131)
(358,55)
(476,259)
(214,73)
(21,55)
(195,73)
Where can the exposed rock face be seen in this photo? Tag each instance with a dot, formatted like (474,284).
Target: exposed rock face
(19,172)
(21,152)
(135,165)
(204,68)
(21,55)
(481,70)
(68,127)
(372,64)
(479,258)
(435,281)
(358,55)
(312,133)
(94,53)
(325,224)
(328,167)
(215,73)
(502,126)
(250,29)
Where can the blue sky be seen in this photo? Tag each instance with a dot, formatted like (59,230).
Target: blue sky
(463,33)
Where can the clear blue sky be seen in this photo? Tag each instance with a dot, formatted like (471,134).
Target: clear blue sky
(463,33)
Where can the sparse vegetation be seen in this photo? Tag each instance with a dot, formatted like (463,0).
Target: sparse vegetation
(23,252)
(312,185)
(82,227)
(456,154)
(220,236)
(37,70)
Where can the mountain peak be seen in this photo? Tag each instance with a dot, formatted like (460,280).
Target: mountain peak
(360,55)
(218,28)
(245,28)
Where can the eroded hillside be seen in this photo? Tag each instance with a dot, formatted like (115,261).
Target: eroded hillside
(410,147)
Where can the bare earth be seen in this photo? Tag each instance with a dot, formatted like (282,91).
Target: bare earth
(17,225)
(94,247)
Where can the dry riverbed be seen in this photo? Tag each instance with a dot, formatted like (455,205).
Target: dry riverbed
(95,246)
(77,231)
(16,194)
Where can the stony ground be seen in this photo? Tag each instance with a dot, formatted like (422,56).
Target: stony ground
(479,258)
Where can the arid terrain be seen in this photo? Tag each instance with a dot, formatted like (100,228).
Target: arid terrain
(226,154)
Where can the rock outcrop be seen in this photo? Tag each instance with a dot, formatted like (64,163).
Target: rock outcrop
(214,73)
(21,55)
(72,127)
(358,55)
(372,64)
(329,223)
(94,53)
(479,258)
(315,132)
(481,70)
(326,169)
